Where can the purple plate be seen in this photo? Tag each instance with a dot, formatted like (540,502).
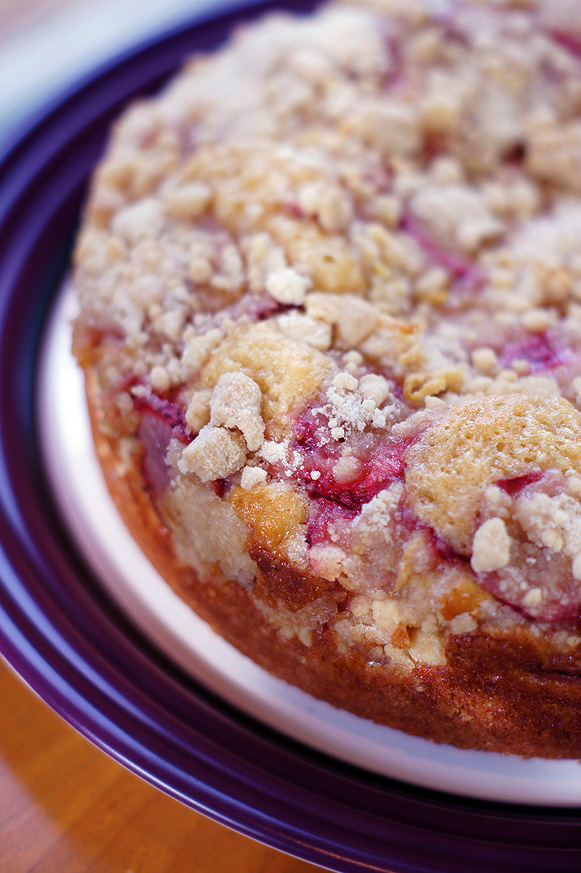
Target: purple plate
(62,633)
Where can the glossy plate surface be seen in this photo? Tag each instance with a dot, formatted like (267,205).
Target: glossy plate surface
(73,644)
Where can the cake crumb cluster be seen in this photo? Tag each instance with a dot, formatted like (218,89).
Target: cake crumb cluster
(333,276)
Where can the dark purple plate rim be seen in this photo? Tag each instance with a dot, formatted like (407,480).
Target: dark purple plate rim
(64,636)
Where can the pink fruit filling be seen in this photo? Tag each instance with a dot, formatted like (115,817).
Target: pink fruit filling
(394,75)
(379,469)
(253,307)
(540,351)
(168,412)
(538,581)
(340,477)
(517,483)
(161,421)
(465,272)
(560,592)
(323,516)
(568,40)
(374,462)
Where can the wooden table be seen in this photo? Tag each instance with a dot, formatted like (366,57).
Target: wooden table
(65,807)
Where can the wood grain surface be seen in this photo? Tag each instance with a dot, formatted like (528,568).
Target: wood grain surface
(65,807)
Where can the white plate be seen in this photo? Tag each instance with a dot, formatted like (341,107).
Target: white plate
(143,595)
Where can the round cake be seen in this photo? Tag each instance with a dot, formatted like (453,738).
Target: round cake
(330,323)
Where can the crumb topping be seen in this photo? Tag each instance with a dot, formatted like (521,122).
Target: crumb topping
(215,454)
(236,403)
(333,272)
(490,546)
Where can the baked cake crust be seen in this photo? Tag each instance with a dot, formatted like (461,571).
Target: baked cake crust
(330,331)
(507,693)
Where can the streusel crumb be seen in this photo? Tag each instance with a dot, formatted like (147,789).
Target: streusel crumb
(330,285)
